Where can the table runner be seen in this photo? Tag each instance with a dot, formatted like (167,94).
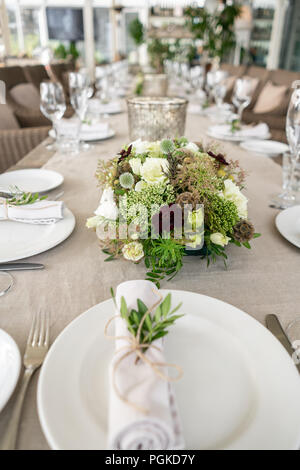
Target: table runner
(261,281)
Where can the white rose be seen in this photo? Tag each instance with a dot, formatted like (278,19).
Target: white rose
(233,193)
(192,147)
(135,164)
(154,169)
(133,251)
(140,185)
(140,146)
(107,206)
(219,239)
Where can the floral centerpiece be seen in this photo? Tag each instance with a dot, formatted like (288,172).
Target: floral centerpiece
(163,200)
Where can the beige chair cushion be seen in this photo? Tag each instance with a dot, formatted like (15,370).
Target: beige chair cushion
(270,98)
(7,118)
(26,94)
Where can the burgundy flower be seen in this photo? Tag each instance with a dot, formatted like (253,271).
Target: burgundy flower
(220,158)
(167,219)
(124,153)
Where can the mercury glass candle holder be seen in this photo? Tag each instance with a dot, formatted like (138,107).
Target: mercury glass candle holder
(156,118)
(155,84)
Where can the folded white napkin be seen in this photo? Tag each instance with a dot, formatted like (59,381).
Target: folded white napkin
(94,127)
(112,107)
(260,131)
(129,428)
(40,213)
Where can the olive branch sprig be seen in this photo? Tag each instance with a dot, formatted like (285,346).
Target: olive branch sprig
(22,198)
(155,325)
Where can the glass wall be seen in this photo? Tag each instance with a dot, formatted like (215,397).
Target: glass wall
(102,33)
(290,52)
(31,30)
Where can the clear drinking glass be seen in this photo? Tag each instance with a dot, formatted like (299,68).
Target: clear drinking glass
(79,97)
(52,103)
(67,135)
(287,198)
(242,95)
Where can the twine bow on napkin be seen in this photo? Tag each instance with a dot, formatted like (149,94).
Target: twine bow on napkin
(136,347)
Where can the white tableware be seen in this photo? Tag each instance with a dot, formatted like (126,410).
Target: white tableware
(31,180)
(240,388)
(90,136)
(19,240)
(269,148)
(223,132)
(288,224)
(10,365)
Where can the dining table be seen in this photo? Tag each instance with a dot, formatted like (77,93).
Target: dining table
(260,281)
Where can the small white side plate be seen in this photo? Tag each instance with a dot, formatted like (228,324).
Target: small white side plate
(269,148)
(90,136)
(10,365)
(288,224)
(31,180)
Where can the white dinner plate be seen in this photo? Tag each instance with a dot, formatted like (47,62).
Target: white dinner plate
(288,224)
(90,136)
(231,137)
(240,388)
(31,180)
(10,365)
(269,148)
(19,240)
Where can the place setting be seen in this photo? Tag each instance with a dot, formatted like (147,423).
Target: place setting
(32,221)
(288,220)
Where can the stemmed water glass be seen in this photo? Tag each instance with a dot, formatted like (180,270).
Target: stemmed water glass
(79,96)
(287,198)
(242,95)
(52,103)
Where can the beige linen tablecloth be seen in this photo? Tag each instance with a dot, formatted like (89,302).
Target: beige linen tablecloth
(261,281)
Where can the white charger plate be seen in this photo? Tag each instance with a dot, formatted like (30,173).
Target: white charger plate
(31,180)
(269,148)
(240,388)
(90,136)
(10,366)
(19,240)
(288,224)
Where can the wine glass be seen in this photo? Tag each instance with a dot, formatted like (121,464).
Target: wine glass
(242,95)
(287,198)
(219,88)
(52,103)
(79,96)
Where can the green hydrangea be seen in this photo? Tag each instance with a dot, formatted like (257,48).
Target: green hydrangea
(221,215)
(152,195)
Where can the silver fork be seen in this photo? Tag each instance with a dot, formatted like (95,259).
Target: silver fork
(36,350)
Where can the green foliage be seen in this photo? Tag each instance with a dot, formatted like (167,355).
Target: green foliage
(159,51)
(167,146)
(216,30)
(20,198)
(154,325)
(221,215)
(163,257)
(136,31)
(62,52)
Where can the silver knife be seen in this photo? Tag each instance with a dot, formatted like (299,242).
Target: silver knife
(20,266)
(274,325)
(5,195)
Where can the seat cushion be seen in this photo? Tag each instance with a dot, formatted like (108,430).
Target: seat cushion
(26,94)
(271,98)
(7,118)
